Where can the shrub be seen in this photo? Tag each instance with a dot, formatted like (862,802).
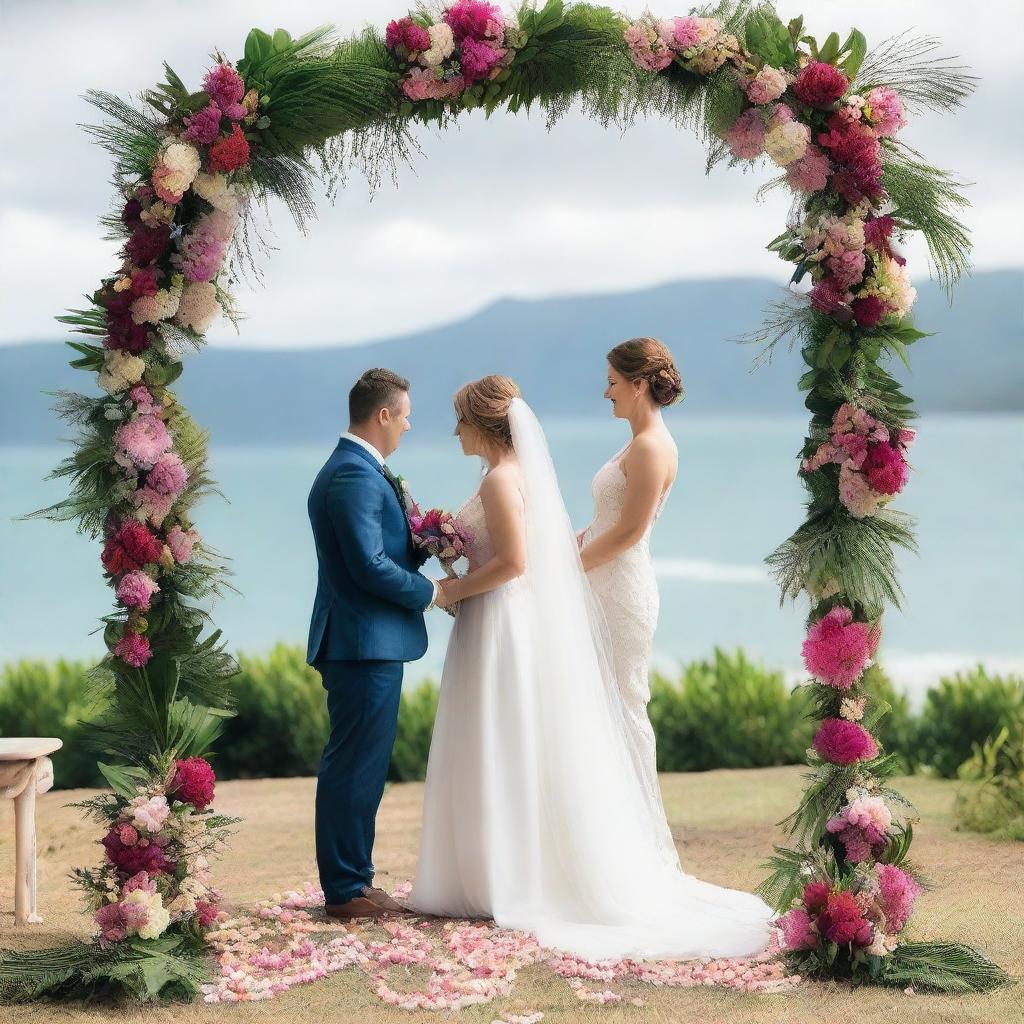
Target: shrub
(727,713)
(994,801)
(415,726)
(962,712)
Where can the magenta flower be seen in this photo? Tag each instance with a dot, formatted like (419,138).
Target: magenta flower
(820,84)
(405,35)
(206,913)
(843,742)
(224,86)
(815,896)
(827,297)
(897,893)
(474,19)
(136,589)
(477,59)
(886,469)
(149,857)
(140,880)
(119,920)
(133,649)
(204,125)
(837,648)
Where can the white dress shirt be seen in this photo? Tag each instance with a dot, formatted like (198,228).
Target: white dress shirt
(363,443)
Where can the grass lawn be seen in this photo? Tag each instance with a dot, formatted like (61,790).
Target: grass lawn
(723,823)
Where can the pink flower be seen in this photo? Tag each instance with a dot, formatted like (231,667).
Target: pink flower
(797,932)
(149,813)
(746,137)
(862,826)
(181,543)
(651,56)
(846,268)
(886,469)
(686,33)
(127,834)
(886,110)
(819,84)
(193,782)
(897,893)
(843,742)
(837,648)
(152,505)
(204,125)
(142,440)
(133,649)
(423,84)
(827,297)
(136,589)
(206,913)
(406,36)
(168,475)
(144,402)
(766,86)
(140,880)
(842,921)
(869,310)
(203,251)
(857,495)
(809,173)
(477,59)
(224,86)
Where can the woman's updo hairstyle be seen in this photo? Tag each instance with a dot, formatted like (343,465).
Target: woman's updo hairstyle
(650,360)
(484,404)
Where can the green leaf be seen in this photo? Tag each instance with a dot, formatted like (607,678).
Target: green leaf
(282,40)
(124,780)
(258,47)
(807,380)
(857,47)
(552,15)
(830,50)
(768,38)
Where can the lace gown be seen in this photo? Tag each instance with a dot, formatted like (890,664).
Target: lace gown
(627,590)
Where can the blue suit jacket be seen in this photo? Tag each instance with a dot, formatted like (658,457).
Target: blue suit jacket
(369,597)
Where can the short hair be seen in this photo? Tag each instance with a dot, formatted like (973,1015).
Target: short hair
(375,390)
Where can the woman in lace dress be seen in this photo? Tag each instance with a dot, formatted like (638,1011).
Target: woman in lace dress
(630,491)
(532,812)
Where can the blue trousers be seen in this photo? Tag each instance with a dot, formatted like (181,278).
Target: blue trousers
(362,702)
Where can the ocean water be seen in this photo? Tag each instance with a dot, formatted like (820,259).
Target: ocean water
(736,498)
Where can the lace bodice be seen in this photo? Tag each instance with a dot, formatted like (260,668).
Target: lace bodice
(471,518)
(609,491)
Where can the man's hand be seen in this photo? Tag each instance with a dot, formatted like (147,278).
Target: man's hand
(446,596)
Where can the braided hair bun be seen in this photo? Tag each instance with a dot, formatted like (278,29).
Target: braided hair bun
(650,360)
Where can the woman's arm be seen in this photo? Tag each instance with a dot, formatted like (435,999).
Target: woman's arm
(646,469)
(503,507)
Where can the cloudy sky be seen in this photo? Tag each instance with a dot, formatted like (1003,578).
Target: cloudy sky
(491,209)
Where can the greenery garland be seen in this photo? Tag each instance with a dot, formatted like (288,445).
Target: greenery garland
(193,167)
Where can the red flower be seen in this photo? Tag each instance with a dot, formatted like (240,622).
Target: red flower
(868,311)
(130,546)
(206,913)
(230,152)
(144,282)
(131,213)
(855,148)
(193,782)
(843,921)
(816,896)
(147,244)
(820,84)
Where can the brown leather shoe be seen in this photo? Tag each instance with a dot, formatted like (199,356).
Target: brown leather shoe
(382,899)
(358,906)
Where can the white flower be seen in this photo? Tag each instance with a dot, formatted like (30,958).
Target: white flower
(120,371)
(177,164)
(198,307)
(159,918)
(786,141)
(149,814)
(151,309)
(442,45)
(882,944)
(217,191)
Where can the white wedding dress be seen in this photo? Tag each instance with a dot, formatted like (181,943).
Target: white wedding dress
(534,813)
(626,588)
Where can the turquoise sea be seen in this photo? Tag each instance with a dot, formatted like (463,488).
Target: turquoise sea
(737,496)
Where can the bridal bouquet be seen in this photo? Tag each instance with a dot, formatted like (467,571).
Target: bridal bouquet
(437,533)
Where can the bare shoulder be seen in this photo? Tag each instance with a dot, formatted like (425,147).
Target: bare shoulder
(502,484)
(652,450)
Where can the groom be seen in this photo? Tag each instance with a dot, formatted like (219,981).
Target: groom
(367,620)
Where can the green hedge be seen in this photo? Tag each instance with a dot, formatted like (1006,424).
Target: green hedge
(723,712)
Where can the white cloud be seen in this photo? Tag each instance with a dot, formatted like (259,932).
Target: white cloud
(501,207)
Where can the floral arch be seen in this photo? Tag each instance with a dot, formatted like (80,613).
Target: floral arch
(193,167)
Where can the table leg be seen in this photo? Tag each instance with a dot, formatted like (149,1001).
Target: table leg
(25,853)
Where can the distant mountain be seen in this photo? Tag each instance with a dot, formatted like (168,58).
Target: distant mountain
(555,349)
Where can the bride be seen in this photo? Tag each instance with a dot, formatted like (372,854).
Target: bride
(534,812)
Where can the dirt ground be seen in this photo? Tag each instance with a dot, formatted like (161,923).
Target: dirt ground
(723,822)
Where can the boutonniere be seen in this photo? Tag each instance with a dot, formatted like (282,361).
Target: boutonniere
(410,506)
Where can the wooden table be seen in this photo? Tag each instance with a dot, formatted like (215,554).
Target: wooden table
(25,769)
